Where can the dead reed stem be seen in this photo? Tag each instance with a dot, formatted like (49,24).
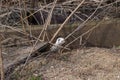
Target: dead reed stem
(85,33)
(81,25)
(48,20)
(1,61)
(35,12)
(66,20)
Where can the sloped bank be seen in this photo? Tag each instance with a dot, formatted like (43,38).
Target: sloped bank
(81,64)
(105,35)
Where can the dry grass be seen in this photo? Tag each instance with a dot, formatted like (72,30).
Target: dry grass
(80,64)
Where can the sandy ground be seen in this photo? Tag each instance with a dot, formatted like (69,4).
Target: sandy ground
(81,64)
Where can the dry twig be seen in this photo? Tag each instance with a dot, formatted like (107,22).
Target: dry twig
(1,62)
(66,20)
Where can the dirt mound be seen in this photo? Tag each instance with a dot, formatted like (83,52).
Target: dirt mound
(80,64)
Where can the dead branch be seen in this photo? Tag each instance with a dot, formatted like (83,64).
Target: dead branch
(66,20)
(1,62)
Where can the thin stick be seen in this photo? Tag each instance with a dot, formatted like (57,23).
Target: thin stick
(35,12)
(35,44)
(47,23)
(85,33)
(82,25)
(66,21)
(21,17)
(1,62)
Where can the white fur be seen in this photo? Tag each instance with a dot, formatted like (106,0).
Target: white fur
(58,43)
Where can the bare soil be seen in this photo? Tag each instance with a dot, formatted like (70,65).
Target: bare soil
(80,64)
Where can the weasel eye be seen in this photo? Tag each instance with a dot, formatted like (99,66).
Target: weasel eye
(58,40)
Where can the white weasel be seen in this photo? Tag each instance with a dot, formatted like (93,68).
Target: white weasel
(58,43)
